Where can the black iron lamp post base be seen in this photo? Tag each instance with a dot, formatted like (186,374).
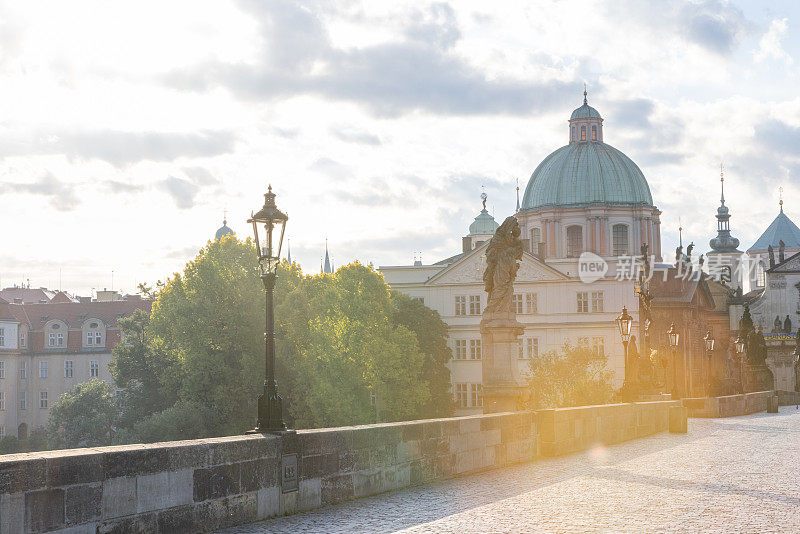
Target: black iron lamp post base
(270,412)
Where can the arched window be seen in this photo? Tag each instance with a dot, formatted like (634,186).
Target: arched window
(573,133)
(583,133)
(619,240)
(594,133)
(760,275)
(536,238)
(574,241)
(93,333)
(56,335)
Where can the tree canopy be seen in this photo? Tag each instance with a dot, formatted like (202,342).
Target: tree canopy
(348,351)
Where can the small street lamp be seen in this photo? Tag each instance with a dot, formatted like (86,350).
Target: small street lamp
(268,248)
(740,350)
(709,341)
(624,322)
(673,336)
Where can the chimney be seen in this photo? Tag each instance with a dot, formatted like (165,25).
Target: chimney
(781,251)
(466,244)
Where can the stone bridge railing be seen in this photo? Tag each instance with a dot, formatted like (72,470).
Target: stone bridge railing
(207,484)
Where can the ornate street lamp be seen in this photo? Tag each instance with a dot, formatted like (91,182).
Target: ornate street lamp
(709,341)
(673,336)
(268,248)
(624,322)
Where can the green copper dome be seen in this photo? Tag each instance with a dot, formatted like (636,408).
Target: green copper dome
(586,172)
(484,224)
(585,112)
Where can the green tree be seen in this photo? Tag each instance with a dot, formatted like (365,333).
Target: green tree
(182,420)
(431,333)
(145,371)
(85,416)
(575,377)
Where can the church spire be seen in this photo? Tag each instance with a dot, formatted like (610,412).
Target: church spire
(724,242)
(517,194)
(722,184)
(780,194)
(327,269)
(289,250)
(585,103)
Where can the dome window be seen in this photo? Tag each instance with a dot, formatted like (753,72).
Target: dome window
(583,133)
(574,241)
(619,240)
(594,133)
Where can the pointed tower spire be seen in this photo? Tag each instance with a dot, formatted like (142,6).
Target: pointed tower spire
(327,268)
(289,250)
(517,194)
(722,183)
(780,194)
(584,94)
(680,233)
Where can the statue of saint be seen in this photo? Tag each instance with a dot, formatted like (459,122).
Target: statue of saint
(777,326)
(502,255)
(787,325)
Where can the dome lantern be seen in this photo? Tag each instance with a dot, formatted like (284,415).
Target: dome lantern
(585,124)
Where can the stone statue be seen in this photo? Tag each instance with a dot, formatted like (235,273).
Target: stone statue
(701,261)
(781,251)
(678,254)
(689,250)
(771,253)
(776,325)
(787,325)
(502,257)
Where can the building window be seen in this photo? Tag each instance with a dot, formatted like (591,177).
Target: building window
(42,369)
(2,369)
(531,303)
(760,275)
(59,340)
(574,241)
(594,133)
(475,305)
(583,133)
(2,432)
(23,370)
(2,337)
(598,346)
(23,341)
(583,302)
(68,369)
(89,338)
(42,399)
(597,301)
(528,348)
(52,339)
(2,400)
(619,240)
(461,305)
(536,238)
(477,395)
(461,349)
(462,395)
(517,303)
(23,400)
(474,349)
(94,369)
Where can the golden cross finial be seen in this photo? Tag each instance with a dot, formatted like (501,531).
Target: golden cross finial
(780,195)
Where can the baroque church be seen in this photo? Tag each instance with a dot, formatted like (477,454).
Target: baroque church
(587,196)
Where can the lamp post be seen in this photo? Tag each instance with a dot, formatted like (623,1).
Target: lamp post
(740,349)
(268,248)
(624,322)
(673,336)
(709,340)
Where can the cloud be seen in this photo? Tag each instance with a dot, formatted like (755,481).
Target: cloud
(61,194)
(420,73)
(779,137)
(200,175)
(183,192)
(770,46)
(122,148)
(352,135)
(118,187)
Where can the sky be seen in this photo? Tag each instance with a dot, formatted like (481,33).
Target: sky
(127,130)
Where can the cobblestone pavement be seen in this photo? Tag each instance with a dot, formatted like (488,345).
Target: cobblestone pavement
(739,474)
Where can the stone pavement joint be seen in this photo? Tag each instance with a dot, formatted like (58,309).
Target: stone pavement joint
(738,474)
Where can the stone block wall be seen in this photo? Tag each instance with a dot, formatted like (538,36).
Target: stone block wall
(207,484)
(567,430)
(728,405)
(788,398)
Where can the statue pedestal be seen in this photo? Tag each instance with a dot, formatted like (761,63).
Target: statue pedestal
(758,378)
(503,384)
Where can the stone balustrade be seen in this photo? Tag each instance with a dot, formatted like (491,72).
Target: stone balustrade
(207,484)
(728,405)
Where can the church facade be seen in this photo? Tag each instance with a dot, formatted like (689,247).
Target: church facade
(586,197)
